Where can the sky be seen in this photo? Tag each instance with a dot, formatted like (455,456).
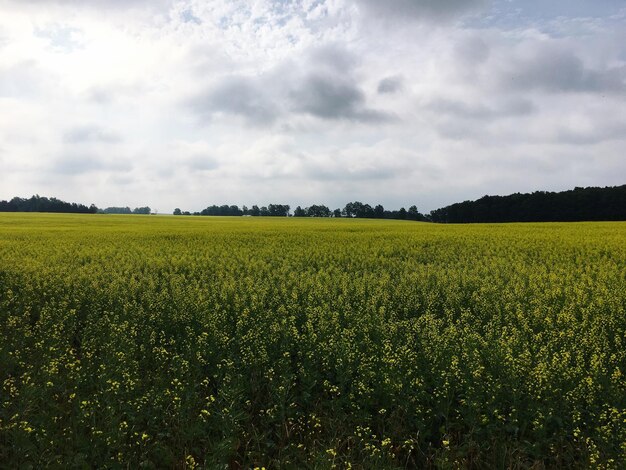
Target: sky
(189,103)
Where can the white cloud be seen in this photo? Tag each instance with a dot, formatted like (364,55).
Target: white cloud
(187,103)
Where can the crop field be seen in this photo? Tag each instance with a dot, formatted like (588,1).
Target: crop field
(202,342)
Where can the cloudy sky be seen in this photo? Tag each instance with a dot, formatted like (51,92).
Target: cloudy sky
(187,103)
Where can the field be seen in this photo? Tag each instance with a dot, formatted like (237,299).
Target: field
(184,342)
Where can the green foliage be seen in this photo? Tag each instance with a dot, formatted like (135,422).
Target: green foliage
(578,204)
(43,204)
(179,342)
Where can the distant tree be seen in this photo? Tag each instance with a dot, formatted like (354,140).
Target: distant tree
(413,213)
(358,209)
(348,211)
(141,210)
(318,211)
(379,212)
(299,212)
(337,213)
(117,210)
(177,211)
(353,209)
(223,210)
(402,213)
(277,210)
(255,211)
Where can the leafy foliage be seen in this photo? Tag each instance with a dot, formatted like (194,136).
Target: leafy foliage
(43,204)
(313,211)
(213,342)
(579,204)
(273,210)
(126,210)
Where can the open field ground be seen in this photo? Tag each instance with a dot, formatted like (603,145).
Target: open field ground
(289,343)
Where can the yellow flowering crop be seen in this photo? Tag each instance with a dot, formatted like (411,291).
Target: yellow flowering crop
(183,342)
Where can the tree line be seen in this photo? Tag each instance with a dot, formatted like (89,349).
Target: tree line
(352,210)
(38,203)
(272,210)
(578,204)
(43,204)
(358,209)
(125,210)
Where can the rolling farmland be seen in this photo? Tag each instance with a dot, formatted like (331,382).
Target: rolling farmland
(185,342)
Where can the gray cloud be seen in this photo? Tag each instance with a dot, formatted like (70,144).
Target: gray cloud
(321,84)
(463,110)
(356,164)
(83,134)
(593,135)
(77,165)
(556,70)
(486,122)
(100,95)
(201,163)
(332,98)
(112,92)
(424,9)
(328,88)
(333,174)
(471,51)
(455,129)
(331,58)
(82,164)
(240,96)
(390,85)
